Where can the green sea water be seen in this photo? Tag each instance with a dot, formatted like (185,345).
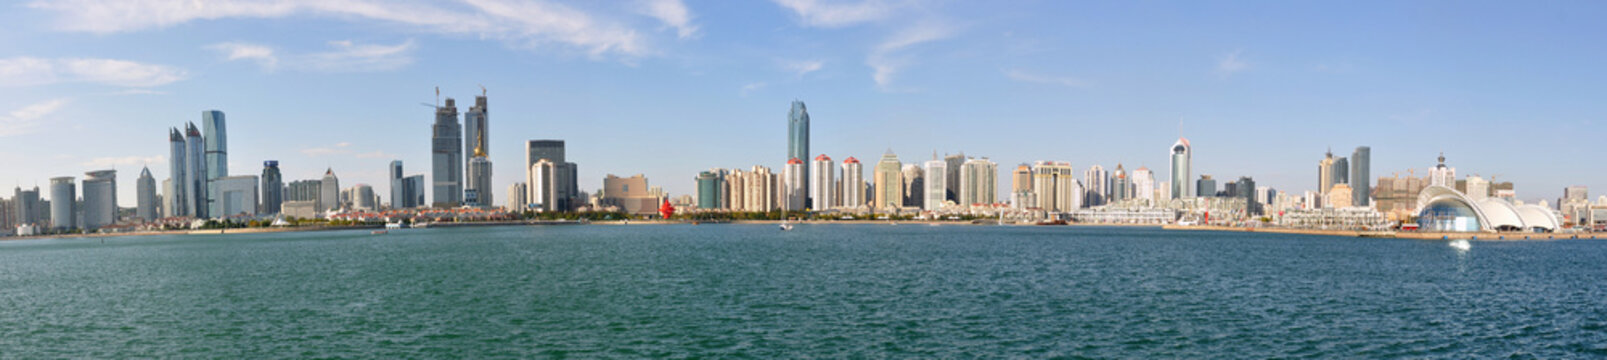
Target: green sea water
(819,291)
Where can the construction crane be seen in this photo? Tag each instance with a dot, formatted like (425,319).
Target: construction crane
(482,90)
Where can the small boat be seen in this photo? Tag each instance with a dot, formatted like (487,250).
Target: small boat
(379,232)
(785,226)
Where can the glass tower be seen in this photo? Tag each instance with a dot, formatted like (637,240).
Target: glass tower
(798,138)
(1361,176)
(1182,161)
(447,156)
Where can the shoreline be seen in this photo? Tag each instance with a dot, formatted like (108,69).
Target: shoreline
(1396,234)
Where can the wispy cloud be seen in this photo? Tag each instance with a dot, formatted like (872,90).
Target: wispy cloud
(1230,63)
(885,60)
(262,54)
(751,88)
(346,56)
(1023,76)
(672,13)
(32,71)
(831,14)
(26,120)
(520,23)
(802,67)
(129,161)
(337,149)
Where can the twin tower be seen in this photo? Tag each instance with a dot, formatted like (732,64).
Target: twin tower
(451,184)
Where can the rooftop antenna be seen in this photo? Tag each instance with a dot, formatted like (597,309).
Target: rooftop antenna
(482,90)
(437,96)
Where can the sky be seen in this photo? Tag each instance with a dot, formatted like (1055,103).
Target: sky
(667,88)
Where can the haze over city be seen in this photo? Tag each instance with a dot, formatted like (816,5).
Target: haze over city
(669,88)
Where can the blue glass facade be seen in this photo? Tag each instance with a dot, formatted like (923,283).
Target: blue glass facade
(1448,215)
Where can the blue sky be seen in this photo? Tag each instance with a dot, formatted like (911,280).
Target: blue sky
(669,87)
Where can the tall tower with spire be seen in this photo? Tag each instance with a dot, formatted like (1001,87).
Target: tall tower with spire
(798,139)
(1182,166)
(477,177)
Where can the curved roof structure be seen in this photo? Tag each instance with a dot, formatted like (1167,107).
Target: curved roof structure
(1490,214)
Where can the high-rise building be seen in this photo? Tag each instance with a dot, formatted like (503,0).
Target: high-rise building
(413,191)
(217,156)
(1325,174)
(145,196)
(517,193)
(914,186)
(1056,186)
(362,198)
(27,209)
(100,199)
(1361,176)
(477,180)
(273,185)
(1121,187)
(798,141)
(447,156)
(1096,183)
(1441,175)
(1144,184)
(1341,170)
(329,192)
(1021,195)
(631,195)
(1246,188)
(889,183)
(195,173)
(398,197)
(853,185)
(795,177)
(1206,186)
(559,191)
(63,203)
(979,182)
(177,192)
(937,177)
(824,182)
(1182,164)
(237,196)
(709,187)
(951,181)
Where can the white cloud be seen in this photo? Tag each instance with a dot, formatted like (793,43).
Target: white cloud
(1231,63)
(751,88)
(30,71)
(134,161)
(831,14)
(672,13)
(525,23)
(27,119)
(802,67)
(1023,76)
(885,61)
(346,57)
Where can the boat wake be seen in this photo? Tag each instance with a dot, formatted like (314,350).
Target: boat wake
(1461,244)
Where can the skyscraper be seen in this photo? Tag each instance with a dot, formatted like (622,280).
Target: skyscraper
(554,185)
(517,193)
(889,183)
(937,185)
(914,186)
(63,203)
(178,190)
(217,157)
(1325,174)
(329,192)
(195,173)
(823,185)
(951,185)
(1361,176)
(1144,184)
(1207,186)
(1121,187)
(100,199)
(1021,195)
(979,180)
(26,207)
(796,179)
(236,196)
(447,156)
(1246,189)
(398,190)
(798,138)
(1056,186)
(273,185)
(1442,175)
(477,180)
(1096,183)
(853,188)
(709,186)
(145,196)
(1182,164)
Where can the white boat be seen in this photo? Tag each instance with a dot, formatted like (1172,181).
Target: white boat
(392,226)
(785,226)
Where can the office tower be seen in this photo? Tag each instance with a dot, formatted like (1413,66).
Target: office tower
(937,177)
(1121,187)
(1246,187)
(979,180)
(475,131)
(517,193)
(889,183)
(1056,187)
(399,197)
(1096,182)
(63,198)
(303,198)
(100,199)
(1361,162)
(1325,174)
(413,192)
(795,179)
(562,187)
(1206,186)
(217,156)
(1441,175)
(145,196)
(914,186)
(798,139)
(1341,170)
(824,181)
(329,192)
(853,187)
(273,185)
(1574,203)
(1477,188)
(709,186)
(1021,195)
(951,184)
(1182,164)
(478,191)
(195,173)
(446,159)
(237,196)
(26,207)
(362,198)
(177,194)
(1144,185)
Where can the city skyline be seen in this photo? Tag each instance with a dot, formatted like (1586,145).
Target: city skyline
(625,99)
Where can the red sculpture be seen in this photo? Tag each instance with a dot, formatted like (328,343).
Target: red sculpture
(666,210)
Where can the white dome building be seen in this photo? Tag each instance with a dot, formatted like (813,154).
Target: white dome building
(1441,208)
